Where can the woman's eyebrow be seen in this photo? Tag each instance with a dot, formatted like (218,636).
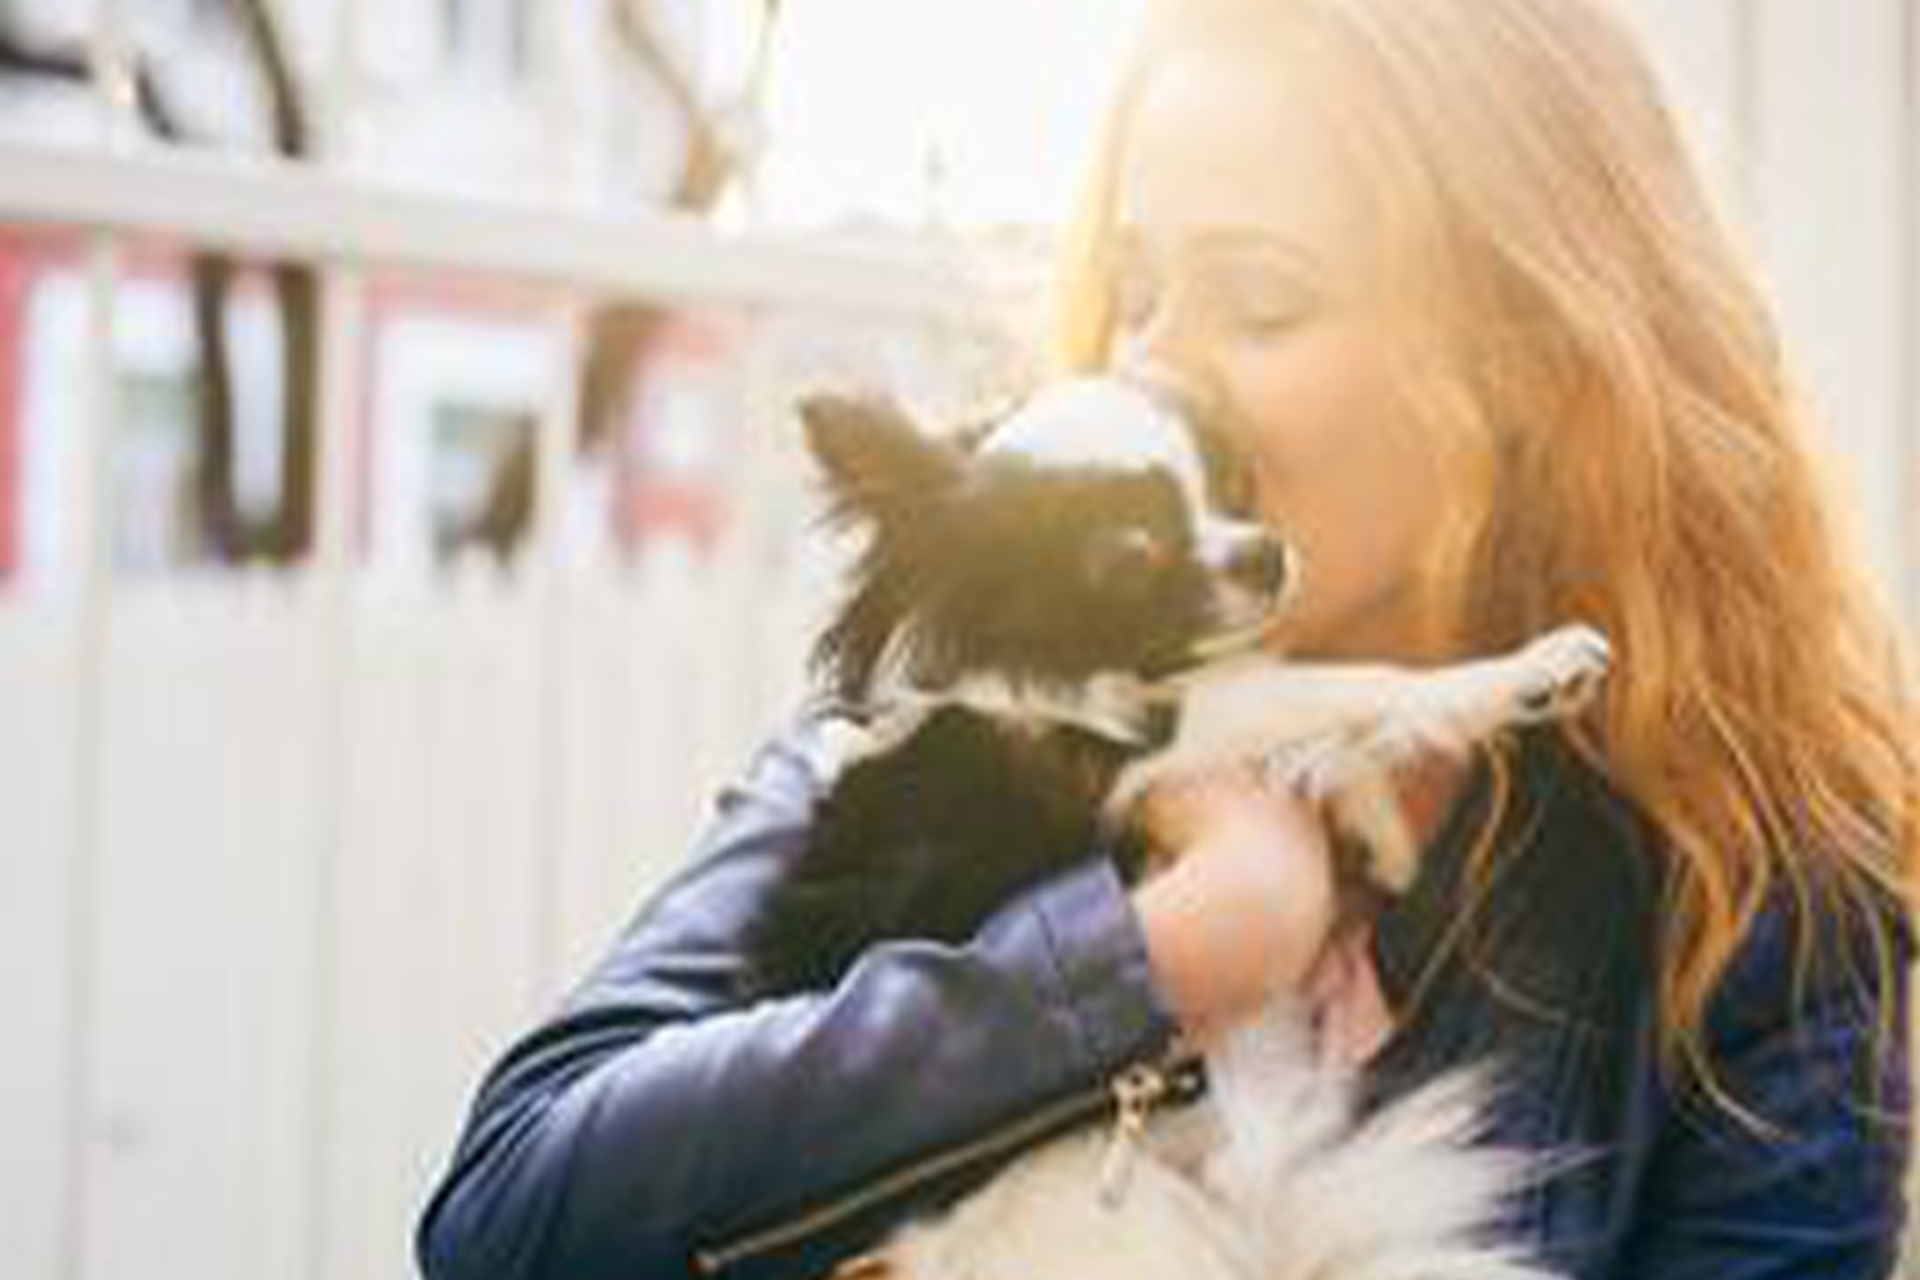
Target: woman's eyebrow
(1257,248)
(1135,246)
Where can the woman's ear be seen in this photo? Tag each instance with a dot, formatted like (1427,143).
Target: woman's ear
(877,463)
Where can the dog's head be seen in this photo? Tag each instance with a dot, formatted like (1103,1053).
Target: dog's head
(1091,532)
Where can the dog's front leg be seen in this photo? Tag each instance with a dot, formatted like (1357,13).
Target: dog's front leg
(1368,809)
(1452,709)
(1325,727)
(1259,709)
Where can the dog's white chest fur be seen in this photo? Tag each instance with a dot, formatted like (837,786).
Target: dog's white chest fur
(1272,1177)
(1048,1219)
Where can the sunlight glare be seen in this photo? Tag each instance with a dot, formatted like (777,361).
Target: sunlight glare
(935,111)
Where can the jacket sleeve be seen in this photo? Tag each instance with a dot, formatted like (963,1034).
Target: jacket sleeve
(655,1115)
(1812,1183)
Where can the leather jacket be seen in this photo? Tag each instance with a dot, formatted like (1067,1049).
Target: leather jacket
(656,1127)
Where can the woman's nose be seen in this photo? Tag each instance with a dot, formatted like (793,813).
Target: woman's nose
(1169,350)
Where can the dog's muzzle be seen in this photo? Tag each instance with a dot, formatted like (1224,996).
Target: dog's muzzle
(1257,575)
(1261,564)
(1250,560)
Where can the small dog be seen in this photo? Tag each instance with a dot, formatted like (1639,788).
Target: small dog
(1039,627)
(1011,608)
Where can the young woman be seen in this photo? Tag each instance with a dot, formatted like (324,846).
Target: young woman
(1454,282)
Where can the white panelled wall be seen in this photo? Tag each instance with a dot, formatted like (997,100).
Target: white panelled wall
(292,855)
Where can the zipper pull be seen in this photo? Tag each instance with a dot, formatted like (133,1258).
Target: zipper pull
(1136,1090)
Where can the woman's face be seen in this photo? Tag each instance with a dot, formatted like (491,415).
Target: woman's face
(1252,266)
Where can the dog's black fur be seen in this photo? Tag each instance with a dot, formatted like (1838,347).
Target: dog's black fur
(1039,576)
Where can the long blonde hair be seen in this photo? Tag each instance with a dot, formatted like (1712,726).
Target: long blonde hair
(1604,385)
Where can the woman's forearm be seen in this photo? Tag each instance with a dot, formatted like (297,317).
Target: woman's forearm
(657,1119)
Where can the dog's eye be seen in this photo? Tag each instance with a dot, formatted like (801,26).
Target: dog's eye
(1126,556)
(1235,486)
(1230,480)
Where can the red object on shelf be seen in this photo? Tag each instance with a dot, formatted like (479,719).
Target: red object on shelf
(678,436)
(16,268)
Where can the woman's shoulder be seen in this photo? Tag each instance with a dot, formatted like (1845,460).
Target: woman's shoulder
(1543,872)
(1583,897)
(1550,967)
(1582,858)
(1570,833)
(1821,957)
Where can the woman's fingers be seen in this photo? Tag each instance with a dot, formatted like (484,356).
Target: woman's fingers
(1349,1006)
(1244,900)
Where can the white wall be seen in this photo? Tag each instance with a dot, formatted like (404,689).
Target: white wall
(291,857)
(1805,116)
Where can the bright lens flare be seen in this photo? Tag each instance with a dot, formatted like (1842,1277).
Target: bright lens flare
(918,111)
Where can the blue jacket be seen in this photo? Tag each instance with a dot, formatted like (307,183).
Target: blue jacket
(656,1127)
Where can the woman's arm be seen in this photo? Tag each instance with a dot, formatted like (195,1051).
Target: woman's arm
(656,1119)
(1820,1054)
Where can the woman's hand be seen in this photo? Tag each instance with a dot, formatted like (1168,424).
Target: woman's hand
(1349,1007)
(1244,909)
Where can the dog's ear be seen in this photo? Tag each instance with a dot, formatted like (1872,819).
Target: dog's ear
(876,461)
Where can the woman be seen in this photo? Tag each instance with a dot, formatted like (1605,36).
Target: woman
(1449,272)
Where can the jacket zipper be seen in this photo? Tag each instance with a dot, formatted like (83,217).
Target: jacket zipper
(1131,1095)
(1136,1092)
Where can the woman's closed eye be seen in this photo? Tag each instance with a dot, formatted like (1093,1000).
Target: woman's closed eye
(1260,318)
(1255,300)
(1249,302)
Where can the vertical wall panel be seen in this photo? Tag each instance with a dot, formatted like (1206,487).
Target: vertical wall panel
(1828,178)
(631,804)
(38,749)
(439,896)
(202,937)
(1908,464)
(1700,48)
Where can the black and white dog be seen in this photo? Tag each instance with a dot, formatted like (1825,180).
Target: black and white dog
(1038,626)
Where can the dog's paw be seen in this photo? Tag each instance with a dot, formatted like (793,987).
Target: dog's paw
(1562,673)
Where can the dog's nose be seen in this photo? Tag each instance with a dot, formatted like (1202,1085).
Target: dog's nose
(1260,564)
